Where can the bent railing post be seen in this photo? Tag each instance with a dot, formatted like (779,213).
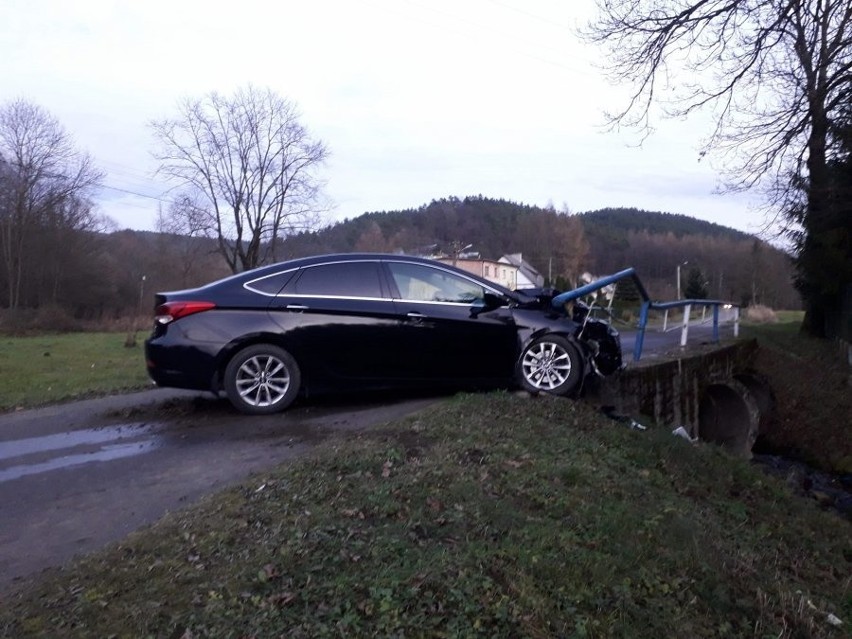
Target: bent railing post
(640,335)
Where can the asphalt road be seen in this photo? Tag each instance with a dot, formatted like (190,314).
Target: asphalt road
(78,476)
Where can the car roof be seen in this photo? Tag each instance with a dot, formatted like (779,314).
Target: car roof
(239,279)
(344,257)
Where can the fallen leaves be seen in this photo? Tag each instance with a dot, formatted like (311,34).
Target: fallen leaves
(487,529)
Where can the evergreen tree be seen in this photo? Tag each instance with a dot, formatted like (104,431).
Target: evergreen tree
(824,246)
(696,285)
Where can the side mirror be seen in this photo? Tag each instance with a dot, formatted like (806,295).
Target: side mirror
(489,302)
(492,301)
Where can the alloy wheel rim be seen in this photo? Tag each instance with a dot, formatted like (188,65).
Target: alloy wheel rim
(262,380)
(546,365)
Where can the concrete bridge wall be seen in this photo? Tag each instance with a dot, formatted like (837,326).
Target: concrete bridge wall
(714,394)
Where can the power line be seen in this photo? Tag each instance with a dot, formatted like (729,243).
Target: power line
(50,174)
(129,192)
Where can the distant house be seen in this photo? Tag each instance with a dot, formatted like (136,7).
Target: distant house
(527,276)
(499,272)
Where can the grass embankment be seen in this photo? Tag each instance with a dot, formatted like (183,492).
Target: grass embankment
(488,515)
(811,382)
(52,368)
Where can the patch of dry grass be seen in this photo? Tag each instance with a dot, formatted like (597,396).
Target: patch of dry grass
(760,314)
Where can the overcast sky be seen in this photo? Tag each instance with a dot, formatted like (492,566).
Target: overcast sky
(416,99)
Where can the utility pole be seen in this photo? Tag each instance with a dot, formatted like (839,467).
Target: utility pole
(684,263)
(141,292)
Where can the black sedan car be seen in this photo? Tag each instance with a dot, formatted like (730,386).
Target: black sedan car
(354,321)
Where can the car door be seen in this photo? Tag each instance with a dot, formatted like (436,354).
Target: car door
(447,333)
(336,317)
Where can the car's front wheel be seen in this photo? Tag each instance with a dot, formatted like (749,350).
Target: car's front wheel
(550,364)
(262,379)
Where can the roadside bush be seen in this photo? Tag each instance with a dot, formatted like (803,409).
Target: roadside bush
(121,324)
(761,314)
(14,322)
(20,322)
(55,318)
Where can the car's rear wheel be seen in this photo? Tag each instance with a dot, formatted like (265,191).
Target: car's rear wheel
(262,379)
(550,364)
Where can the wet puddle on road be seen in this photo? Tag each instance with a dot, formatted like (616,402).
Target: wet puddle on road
(35,455)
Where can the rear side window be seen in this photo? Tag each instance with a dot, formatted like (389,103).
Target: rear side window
(346,279)
(271,284)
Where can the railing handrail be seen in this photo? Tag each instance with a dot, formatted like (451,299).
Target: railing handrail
(694,302)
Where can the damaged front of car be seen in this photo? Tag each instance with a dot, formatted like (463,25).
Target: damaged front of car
(563,343)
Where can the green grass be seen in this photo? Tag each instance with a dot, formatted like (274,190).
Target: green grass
(52,368)
(790,317)
(785,334)
(490,515)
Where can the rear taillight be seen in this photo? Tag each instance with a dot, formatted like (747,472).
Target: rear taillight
(171,311)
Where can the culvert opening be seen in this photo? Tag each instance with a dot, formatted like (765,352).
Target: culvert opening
(761,391)
(728,416)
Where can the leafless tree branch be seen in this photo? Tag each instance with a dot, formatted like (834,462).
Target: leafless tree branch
(45,193)
(250,163)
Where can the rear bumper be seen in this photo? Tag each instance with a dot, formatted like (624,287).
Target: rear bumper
(180,366)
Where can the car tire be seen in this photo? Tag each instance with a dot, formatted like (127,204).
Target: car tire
(262,379)
(550,364)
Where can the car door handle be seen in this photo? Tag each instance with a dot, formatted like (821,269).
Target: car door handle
(296,307)
(416,317)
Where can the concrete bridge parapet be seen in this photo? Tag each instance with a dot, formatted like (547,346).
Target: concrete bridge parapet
(714,394)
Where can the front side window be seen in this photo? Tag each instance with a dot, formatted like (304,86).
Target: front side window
(421,283)
(345,279)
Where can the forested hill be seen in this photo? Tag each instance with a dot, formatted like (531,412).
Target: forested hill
(735,265)
(491,225)
(621,221)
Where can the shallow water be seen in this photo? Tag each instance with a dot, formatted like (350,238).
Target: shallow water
(831,491)
(33,455)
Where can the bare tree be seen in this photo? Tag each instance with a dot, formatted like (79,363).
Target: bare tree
(372,239)
(773,71)
(192,247)
(775,74)
(45,185)
(554,242)
(249,167)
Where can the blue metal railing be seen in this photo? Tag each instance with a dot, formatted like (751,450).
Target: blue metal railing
(648,305)
(687,306)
